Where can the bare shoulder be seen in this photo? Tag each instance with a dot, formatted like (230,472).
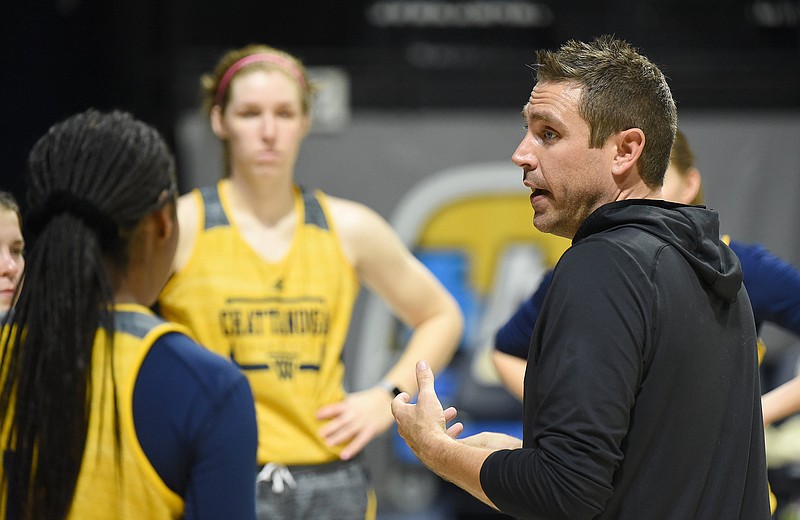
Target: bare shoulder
(360,228)
(353,218)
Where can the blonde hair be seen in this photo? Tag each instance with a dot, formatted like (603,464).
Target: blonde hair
(682,157)
(217,92)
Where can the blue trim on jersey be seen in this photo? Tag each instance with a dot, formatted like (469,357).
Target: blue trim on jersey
(260,366)
(214,214)
(267,366)
(314,213)
(135,323)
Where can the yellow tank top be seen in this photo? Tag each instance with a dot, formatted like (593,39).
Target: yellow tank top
(119,484)
(137,492)
(283,323)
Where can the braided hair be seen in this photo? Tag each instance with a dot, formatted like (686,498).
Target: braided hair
(91,179)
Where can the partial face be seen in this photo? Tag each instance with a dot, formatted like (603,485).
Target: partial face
(568,180)
(11,261)
(263,124)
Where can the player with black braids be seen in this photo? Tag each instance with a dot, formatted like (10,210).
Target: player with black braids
(108,410)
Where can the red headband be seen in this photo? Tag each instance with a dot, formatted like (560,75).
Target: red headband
(274,59)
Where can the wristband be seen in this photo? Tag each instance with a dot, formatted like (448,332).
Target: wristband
(390,387)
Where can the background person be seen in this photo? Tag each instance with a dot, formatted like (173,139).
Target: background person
(622,406)
(108,411)
(12,247)
(267,273)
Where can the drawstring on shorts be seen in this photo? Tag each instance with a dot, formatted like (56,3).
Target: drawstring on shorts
(278,474)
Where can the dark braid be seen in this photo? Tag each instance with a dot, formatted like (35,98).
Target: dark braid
(91,179)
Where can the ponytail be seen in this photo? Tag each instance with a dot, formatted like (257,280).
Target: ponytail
(90,179)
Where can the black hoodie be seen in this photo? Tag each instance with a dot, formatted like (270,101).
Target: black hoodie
(642,398)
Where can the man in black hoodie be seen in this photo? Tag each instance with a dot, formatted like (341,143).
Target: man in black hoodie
(641,398)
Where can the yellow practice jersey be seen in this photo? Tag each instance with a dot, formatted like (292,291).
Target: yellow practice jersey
(283,323)
(137,492)
(121,484)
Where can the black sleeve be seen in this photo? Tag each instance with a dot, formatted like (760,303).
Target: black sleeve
(587,363)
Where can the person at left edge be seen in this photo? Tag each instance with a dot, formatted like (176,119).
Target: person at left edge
(12,246)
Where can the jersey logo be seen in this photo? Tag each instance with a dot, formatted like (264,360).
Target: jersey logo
(284,364)
(278,286)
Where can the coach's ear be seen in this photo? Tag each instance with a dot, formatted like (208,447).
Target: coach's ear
(629,147)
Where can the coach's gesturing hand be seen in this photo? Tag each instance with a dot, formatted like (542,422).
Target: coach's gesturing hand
(423,426)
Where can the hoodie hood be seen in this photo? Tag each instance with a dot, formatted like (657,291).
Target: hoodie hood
(692,230)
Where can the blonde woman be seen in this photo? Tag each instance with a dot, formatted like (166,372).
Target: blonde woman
(267,273)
